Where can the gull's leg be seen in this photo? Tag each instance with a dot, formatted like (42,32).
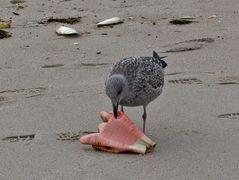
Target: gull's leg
(122,108)
(144,116)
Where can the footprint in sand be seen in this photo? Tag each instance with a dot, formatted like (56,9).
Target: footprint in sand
(71,136)
(53,65)
(8,96)
(228,80)
(186,81)
(189,132)
(212,80)
(64,136)
(229,116)
(188,45)
(20,138)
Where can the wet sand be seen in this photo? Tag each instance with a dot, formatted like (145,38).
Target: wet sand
(52,90)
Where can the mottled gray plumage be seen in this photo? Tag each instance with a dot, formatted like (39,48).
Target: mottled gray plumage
(135,81)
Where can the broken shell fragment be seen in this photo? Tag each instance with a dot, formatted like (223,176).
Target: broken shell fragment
(212,16)
(118,135)
(187,17)
(66,31)
(5,24)
(131,17)
(111,21)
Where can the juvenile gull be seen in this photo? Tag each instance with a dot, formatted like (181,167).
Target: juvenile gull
(135,82)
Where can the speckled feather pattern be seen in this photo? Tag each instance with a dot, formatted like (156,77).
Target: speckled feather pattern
(145,77)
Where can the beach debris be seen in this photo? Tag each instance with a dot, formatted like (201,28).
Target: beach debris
(118,135)
(66,31)
(111,21)
(70,20)
(19,6)
(187,17)
(15,13)
(17,1)
(5,24)
(4,34)
(180,21)
(183,20)
(212,16)
(131,18)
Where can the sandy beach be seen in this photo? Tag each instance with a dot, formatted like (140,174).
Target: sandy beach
(52,89)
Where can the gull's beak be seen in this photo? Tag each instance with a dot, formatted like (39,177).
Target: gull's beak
(115,109)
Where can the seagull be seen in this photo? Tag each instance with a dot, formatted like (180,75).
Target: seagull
(135,81)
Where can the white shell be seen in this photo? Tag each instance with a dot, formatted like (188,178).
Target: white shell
(110,21)
(63,30)
(212,16)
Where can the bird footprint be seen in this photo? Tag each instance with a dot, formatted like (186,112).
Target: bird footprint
(186,81)
(229,116)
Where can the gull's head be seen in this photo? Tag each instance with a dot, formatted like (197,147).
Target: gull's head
(116,89)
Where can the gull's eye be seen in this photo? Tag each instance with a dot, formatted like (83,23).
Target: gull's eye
(119,92)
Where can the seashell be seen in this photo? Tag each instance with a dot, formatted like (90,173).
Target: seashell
(187,17)
(212,16)
(111,21)
(118,135)
(63,30)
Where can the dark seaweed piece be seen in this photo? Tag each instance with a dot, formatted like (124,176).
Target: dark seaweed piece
(4,34)
(17,1)
(17,14)
(70,20)
(181,21)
